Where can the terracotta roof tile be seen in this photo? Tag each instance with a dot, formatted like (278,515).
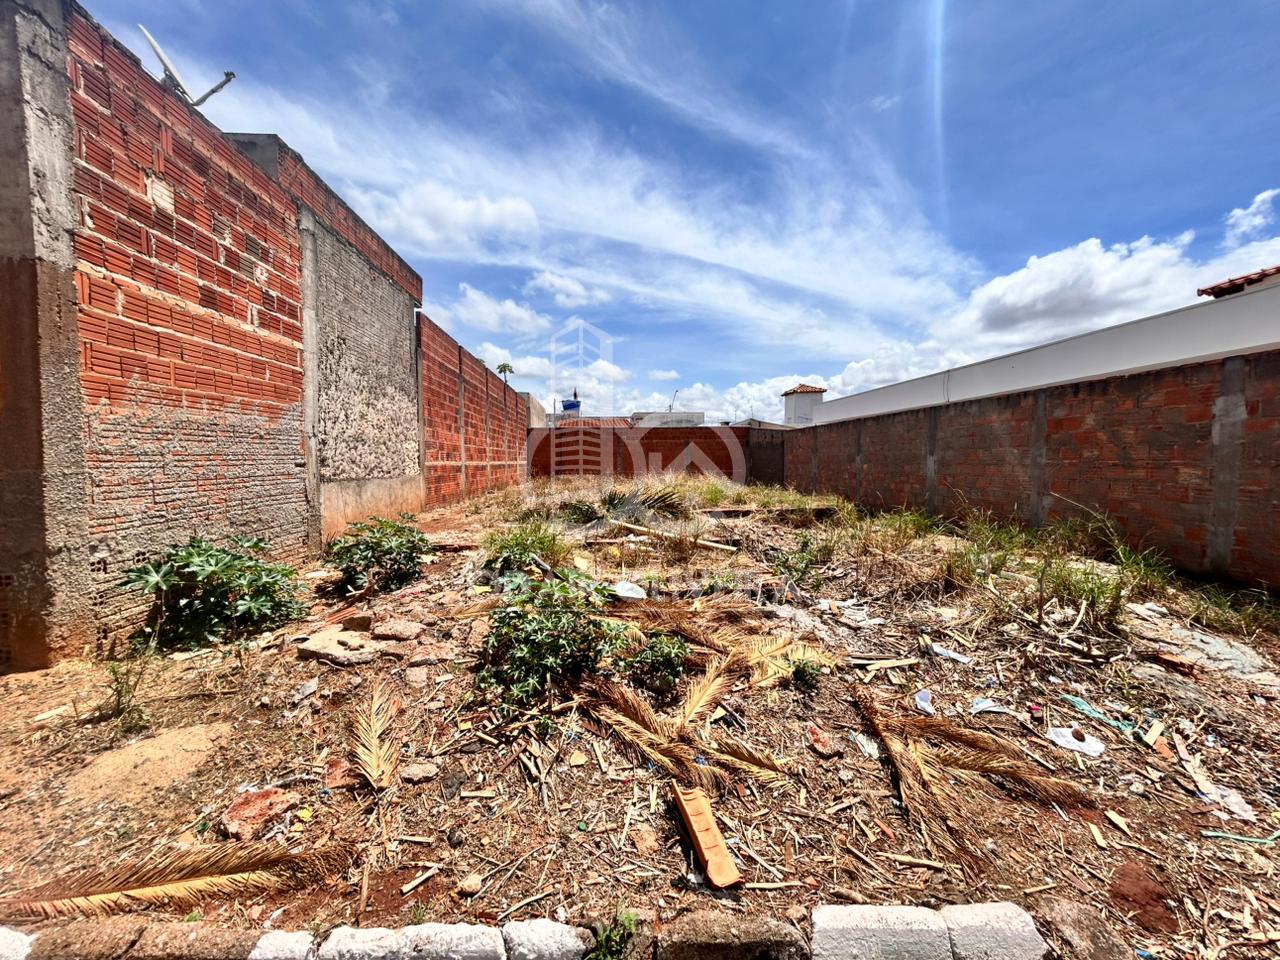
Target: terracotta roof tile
(1236,284)
(804,388)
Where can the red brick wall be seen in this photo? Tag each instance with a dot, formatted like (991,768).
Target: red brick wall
(188,276)
(630,452)
(1139,448)
(467,409)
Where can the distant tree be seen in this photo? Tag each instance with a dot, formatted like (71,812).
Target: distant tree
(504,369)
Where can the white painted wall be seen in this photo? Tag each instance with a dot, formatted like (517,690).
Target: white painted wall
(1247,322)
(799,409)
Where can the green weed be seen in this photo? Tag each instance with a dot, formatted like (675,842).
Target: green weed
(612,939)
(546,632)
(659,664)
(519,547)
(380,554)
(203,593)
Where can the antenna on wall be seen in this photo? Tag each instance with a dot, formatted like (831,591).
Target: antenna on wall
(672,405)
(173,81)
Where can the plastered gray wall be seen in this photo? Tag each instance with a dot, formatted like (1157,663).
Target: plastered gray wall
(42,513)
(366,417)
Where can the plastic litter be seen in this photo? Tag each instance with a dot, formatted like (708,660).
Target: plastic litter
(987,705)
(1089,710)
(950,654)
(629,591)
(869,747)
(924,703)
(1073,738)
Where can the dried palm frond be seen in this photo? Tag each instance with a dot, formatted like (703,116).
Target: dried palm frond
(376,756)
(477,609)
(659,751)
(664,501)
(940,728)
(630,704)
(741,756)
(1019,775)
(706,692)
(930,804)
(180,878)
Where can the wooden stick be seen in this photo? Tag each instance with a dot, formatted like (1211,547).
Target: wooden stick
(711,544)
(418,881)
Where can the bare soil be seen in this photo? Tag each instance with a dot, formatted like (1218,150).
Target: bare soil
(558,818)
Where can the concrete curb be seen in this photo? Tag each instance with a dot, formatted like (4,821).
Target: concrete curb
(981,931)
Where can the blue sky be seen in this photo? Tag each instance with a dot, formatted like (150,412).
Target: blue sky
(746,195)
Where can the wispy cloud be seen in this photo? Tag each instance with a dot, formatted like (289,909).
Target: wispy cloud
(566,291)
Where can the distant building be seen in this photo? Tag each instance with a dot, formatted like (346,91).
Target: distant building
(537,412)
(800,402)
(668,418)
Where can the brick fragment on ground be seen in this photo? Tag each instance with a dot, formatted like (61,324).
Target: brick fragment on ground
(873,932)
(992,931)
(251,813)
(344,648)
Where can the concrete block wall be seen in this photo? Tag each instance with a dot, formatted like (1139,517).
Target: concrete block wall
(200,336)
(1183,458)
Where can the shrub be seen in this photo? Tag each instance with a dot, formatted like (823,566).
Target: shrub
(517,548)
(659,664)
(380,554)
(546,632)
(204,593)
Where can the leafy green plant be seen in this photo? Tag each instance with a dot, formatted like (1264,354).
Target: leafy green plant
(203,593)
(546,632)
(380,554)
(517,548)
(799,565)
(659,664)
(612,938)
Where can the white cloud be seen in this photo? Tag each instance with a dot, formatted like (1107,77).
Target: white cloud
(664,375)
(529,367)
(439,219)
(1246,223)
(607,371)
(476,309)
(568,292)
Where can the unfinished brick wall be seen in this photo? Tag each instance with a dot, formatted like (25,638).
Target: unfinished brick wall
(633,451)
(188,272)
(1183,459)
(205,341)
(474,425)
